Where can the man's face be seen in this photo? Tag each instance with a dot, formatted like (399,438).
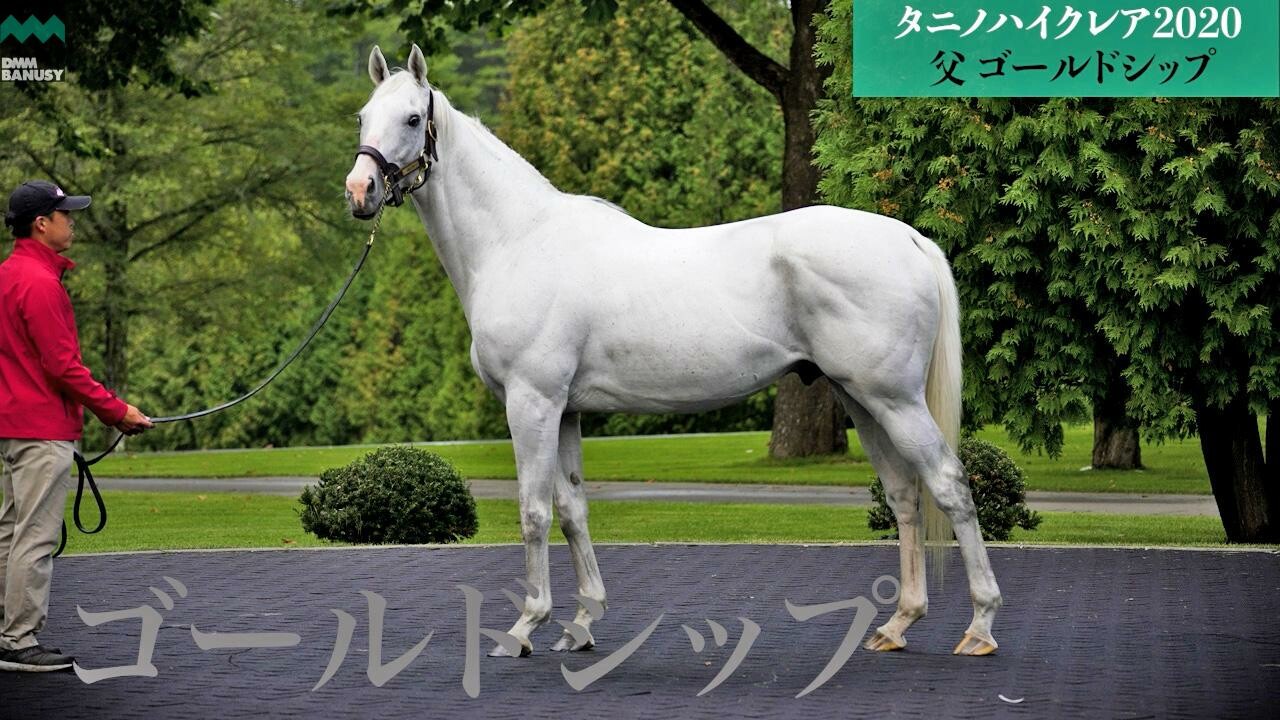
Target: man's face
(55,230)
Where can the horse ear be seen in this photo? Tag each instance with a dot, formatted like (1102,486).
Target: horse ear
(378,70)
(418,65)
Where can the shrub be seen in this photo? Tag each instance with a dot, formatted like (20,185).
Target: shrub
(998,487)
(391,495)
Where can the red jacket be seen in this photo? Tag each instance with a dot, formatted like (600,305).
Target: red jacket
(43,381)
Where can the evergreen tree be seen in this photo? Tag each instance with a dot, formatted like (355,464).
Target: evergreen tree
(1101,242)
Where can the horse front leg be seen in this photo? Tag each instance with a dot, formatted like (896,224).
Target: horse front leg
(534,420)
(571,509)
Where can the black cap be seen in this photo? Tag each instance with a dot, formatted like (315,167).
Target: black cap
(37,197)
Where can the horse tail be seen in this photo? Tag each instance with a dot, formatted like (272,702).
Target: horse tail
(943,396)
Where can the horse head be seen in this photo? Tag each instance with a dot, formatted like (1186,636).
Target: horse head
(397,136)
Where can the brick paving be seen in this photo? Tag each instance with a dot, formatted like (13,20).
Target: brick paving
(1105,633)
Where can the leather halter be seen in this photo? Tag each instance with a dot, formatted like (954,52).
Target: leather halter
(419,169)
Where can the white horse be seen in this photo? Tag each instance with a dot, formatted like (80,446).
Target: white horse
(574,307)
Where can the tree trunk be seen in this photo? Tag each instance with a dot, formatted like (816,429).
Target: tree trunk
(807,420)
(1272,459)
(115,317)
(114,234)
(799,99)
(1273,443)
(1115,443)
(1115,435)
(115,314)
(1244,488)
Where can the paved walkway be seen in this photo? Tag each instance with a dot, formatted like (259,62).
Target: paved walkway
(1128,504)
(1103,633)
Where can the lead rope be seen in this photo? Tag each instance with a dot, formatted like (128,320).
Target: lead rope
(82,465)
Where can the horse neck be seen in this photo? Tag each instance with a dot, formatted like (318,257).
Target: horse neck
(481,198)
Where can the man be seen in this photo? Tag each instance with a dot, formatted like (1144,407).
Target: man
(43,384)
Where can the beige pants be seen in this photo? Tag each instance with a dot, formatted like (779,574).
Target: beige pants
(37,476)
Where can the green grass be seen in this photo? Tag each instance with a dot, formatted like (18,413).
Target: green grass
(1174,467)
(177,521)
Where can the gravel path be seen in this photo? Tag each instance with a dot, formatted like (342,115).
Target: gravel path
(1128,504)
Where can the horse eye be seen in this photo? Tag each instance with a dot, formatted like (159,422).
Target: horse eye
(414,120)
(359,121)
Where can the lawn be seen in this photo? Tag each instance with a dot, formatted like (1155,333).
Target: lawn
(1173,467)
(146,521)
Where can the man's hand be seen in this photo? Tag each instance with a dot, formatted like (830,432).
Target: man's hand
(134,422)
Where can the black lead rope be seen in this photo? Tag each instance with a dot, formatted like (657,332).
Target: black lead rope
(82,465)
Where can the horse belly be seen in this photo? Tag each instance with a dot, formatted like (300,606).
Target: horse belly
(690,368)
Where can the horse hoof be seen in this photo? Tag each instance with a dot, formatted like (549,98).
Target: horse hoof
(500,651)
(567,644)
(973,645)
(883,643)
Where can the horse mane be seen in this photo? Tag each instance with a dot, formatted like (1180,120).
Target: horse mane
(608,203)
(501,149)
(486,137)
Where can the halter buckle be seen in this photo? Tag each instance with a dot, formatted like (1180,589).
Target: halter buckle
(395,195)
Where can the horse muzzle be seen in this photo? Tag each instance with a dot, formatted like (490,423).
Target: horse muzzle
(393,175)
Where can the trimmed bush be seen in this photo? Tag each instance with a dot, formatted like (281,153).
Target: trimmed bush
(394,494)
(998,487)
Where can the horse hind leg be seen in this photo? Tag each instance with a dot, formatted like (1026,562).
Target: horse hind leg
(571,508)
(920,443)
(903,495)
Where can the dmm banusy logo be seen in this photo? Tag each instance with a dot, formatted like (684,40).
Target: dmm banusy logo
(28,33)
(31,27)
